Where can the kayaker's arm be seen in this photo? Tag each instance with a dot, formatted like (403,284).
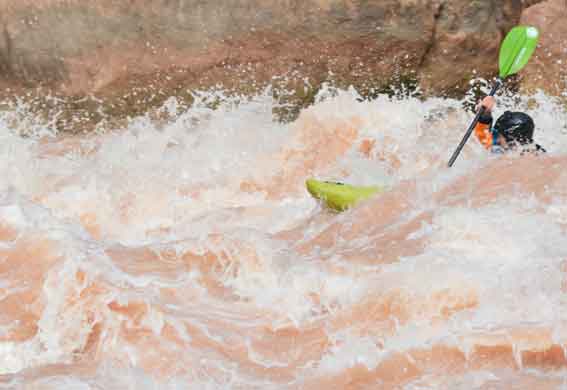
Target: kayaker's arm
(484,124)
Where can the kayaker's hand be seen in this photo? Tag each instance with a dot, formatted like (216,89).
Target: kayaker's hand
(488,102)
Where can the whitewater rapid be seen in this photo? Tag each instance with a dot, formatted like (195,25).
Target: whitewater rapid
(185,253)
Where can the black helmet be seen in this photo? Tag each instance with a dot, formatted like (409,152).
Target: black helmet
(515,127)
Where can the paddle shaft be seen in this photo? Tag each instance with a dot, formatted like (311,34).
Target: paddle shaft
(495,87)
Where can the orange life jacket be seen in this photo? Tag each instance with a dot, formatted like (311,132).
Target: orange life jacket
(483,134)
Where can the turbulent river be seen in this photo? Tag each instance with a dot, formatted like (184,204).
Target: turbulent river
(185,252)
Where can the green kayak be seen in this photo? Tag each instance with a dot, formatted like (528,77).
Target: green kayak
(340,196)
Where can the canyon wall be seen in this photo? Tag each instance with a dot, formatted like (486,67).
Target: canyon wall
(136,53)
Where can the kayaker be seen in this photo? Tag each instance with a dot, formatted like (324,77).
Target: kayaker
(512,130)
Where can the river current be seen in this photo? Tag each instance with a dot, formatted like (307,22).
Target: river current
(185,253)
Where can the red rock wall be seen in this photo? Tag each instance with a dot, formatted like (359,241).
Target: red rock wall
(547,69)
(79,47)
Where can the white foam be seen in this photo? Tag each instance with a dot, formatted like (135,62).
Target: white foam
(179,186)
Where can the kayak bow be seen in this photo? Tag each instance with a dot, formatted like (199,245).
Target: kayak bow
(340,196)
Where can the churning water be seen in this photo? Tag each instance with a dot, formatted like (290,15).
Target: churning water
(186,253)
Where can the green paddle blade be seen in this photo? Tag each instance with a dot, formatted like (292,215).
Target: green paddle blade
(516,49)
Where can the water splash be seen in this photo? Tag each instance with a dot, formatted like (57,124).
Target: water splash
(185,252)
